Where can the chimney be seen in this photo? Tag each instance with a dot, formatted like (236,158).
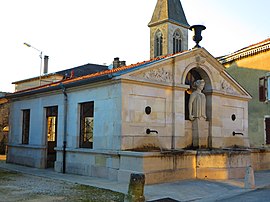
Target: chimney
(116,62)
(45,68)
(122,63)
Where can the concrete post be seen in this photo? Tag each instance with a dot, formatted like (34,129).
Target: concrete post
(249,178)
(136,188)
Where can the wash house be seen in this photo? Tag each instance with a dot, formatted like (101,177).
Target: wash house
(132,118)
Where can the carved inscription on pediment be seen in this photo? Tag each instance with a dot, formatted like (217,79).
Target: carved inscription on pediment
(160,75)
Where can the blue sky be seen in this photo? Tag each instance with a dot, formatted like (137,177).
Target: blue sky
(73,33)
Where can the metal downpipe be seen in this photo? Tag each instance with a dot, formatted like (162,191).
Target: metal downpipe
(65,127)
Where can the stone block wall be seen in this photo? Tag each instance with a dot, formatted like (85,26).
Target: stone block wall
(260,159)
(89,162)
(33,156)
(157,167)
(222,164)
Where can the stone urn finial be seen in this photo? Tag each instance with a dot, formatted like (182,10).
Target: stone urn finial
(197,34)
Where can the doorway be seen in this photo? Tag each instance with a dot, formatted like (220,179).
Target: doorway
(51,131)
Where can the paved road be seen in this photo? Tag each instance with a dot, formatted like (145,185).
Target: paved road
(258,195)
(186,190)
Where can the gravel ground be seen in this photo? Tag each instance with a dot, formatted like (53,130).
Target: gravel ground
(22,187)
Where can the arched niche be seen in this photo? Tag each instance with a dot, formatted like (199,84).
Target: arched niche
(193,75)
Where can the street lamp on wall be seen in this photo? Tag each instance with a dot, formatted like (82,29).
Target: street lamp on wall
(40,55)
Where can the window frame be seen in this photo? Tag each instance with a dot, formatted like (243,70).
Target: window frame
(177,41)
(262,89)
(51,115)
(86,113)
(158,44)
(25,126)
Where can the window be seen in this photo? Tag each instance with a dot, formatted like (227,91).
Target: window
(177,42)
(26,126)
(86,124)
(51,114)
(158,44)
(51,124)
(262,89)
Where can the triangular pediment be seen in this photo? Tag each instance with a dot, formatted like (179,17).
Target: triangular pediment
(173,70)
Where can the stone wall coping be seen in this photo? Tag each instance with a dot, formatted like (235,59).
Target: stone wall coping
(155,154)
(227,151)
(127,153)
(260,149)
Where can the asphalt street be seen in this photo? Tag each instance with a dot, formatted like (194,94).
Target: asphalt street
(258,195)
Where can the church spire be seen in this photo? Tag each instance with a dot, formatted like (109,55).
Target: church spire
(171,11)
(168,28)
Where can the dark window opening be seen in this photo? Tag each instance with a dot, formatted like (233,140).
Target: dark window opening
(158,44)
(177,42)
(86,124)
(26,126)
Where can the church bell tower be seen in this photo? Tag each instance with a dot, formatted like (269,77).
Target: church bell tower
(168,28)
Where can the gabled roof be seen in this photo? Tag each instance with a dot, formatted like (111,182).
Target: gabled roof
(76,71)
(169,10)
(83,70)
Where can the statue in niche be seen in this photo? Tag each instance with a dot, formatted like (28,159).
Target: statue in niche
(197,102)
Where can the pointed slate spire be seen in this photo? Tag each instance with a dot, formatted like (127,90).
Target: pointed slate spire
(169,11)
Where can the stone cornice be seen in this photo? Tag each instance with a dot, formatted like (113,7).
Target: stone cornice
(246,52)
(156,84)
(228,95)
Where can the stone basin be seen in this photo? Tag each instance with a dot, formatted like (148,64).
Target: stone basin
(172,165)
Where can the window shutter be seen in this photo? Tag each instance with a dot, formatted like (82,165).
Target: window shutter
(262,89)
